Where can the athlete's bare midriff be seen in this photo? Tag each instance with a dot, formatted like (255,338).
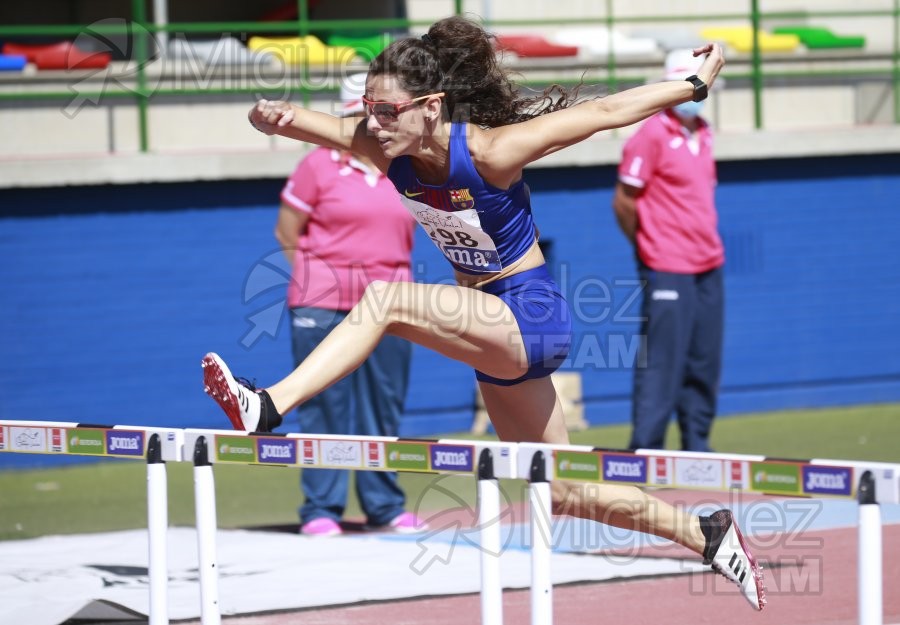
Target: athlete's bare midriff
(529,260)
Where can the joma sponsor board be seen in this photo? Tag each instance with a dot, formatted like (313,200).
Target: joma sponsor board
(407,456)
(775,477)
(698,473)
(276,451)
(622,468)
(235,449)
(577,465)
(452,458)
(85,441)
(341,453)
(820,480)
(124,443)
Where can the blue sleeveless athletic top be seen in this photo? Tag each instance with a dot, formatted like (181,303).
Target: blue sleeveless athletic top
(480,229)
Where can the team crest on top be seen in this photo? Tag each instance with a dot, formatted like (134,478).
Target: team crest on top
(461,199)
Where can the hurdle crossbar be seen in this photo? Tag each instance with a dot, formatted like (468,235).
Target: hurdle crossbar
(155,445)
(869,483)
(486,461)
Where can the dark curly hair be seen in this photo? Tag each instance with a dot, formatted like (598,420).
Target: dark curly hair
(457,57)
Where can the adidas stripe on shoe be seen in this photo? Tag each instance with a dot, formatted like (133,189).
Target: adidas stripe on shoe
(241,404)
(728,554)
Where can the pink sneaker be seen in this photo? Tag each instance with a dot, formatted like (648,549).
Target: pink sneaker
(323,526)
(407,523)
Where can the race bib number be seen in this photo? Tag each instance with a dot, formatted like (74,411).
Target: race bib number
(459,237)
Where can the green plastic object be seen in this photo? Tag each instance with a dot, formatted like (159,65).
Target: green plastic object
(817,38)
(366,46)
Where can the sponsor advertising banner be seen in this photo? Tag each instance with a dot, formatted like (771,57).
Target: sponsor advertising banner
(624,468)
(407,456)
(737,474)
(3,436)
(699,473)
(775,477)
(58,440)
(235,449)
(27,439)
(452,458)
(124,443)
(821,480)
(374,454)
(345,454)
(276,450)
(577,465)
(309,452)
(660,471)
(86,441)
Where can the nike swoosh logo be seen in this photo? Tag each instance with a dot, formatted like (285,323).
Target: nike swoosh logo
(408,194)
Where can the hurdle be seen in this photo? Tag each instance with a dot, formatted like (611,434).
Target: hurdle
(868,483)
(486,461)
(154,445)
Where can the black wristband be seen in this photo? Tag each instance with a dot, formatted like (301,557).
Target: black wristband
(700,88)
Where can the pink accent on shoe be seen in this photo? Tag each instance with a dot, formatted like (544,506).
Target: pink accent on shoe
(216,386)
(323,526)
(407,523)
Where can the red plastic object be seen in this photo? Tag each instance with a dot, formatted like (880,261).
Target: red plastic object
(533,46)
(63,55)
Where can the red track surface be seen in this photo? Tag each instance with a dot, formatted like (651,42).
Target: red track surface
(811,579)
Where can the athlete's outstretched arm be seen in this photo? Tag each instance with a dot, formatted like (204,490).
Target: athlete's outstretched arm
(509,148)
(277,117)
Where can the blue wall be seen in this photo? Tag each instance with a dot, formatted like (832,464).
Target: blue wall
(111,295)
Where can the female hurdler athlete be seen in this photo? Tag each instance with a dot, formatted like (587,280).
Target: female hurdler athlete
(506,318)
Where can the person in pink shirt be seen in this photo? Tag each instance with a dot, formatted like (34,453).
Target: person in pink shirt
(664,203)
(341,226)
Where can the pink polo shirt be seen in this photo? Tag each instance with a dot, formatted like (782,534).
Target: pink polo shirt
(358,231)
(677,222)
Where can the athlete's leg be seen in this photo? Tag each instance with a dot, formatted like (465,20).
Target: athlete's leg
(530,411)
(464,324)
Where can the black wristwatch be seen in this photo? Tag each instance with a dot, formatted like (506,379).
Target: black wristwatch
(700,88)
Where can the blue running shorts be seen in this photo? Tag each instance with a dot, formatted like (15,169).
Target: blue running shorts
(543,317)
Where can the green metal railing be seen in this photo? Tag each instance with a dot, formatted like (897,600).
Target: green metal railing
(141,29)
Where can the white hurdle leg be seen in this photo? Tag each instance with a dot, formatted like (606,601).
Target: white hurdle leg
(541,538)
(490,540)
(157,527)
(871,610)
(205,511)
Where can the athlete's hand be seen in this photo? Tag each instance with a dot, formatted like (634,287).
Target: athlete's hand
(268,116)
(712,64)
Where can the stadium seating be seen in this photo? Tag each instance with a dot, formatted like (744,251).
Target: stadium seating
(12,62)
(740,38)
(218,52)
(301,50)
(817,38)
(533,46)
(670,38)
(366,46)
(598,40)
(62,55)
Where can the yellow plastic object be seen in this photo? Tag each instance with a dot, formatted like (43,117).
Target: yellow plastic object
(302,50)
(741,39)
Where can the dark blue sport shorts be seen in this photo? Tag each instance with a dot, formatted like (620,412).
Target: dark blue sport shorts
(543,317)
